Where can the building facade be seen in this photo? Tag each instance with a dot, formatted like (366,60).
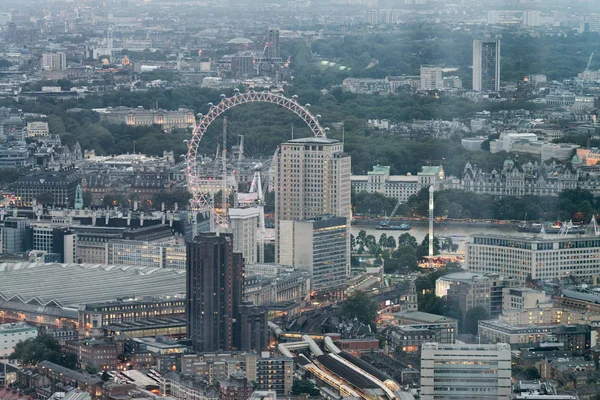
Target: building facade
(538,258)
(311,178)
(244,226)
(147,254)
(214,291)
(401,187)
(11,334)
(317,245)
(62,185)
(431,78)
(486,65)
(15,235)
(98,315)
(453,371)
(54,61)
(167,119)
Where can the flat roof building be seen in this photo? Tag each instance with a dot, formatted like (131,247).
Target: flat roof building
(463,371)
(11,334)
(535,257)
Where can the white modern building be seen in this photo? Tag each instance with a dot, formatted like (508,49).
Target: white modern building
(537,257)
(465,371)
(11,334)
(146,254)
(54,61)
(311,178)
(244,225)
(431,78)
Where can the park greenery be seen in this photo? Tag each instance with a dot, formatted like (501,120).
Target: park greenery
(401,255)
(42,348)
(403,50)
(265,126)
(304,387)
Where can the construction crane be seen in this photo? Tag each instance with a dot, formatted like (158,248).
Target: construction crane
(388,219)
(256,187)
(589,63)
(258,62)
(585,75)
(224,171)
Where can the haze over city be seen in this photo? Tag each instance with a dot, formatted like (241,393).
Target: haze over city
(299,199)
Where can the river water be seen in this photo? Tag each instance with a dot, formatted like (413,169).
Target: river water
(458,233)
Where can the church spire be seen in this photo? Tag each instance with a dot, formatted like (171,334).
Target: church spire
(78,198)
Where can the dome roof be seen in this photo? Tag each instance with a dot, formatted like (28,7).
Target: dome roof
(576,159)
(240,40)
(509,163)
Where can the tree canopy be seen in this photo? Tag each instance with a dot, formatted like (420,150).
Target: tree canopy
(42,348)
(361,307)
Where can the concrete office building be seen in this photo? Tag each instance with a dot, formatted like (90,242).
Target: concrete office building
(54,61)
(244,225)
(317,245)
(311,178)
(524,298)
(465,371)
(11,334)
(146,254)
(214,291)
(431,78)
(473,289)
(486,65)
(542,259)
(16,235)
(59,240)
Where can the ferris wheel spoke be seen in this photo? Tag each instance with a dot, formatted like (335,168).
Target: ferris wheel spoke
(200,201)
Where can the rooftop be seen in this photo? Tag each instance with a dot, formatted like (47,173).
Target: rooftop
(75,284)
(423,317)
(315,140)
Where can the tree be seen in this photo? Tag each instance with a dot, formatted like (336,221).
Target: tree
(383,240)
(408,261)
(531,373)
(474,315)
(304,386)
(390,242)
(42,348)
(91,369)
(105,377)
(361,307)
(406,239)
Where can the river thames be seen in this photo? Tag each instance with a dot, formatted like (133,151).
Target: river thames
(457,232)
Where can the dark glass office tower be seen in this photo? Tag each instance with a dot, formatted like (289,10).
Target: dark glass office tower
(214,291)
